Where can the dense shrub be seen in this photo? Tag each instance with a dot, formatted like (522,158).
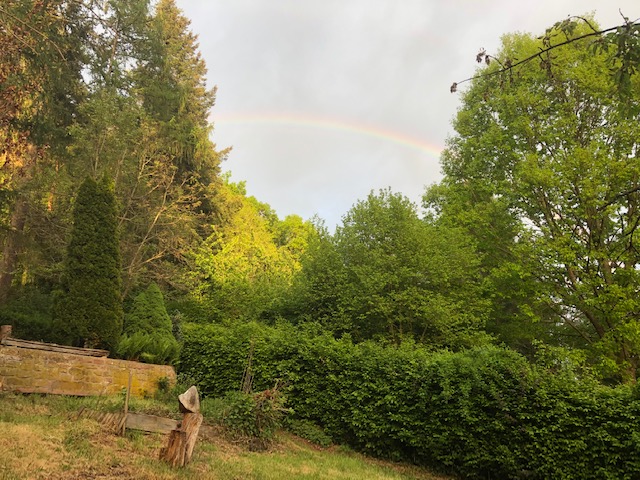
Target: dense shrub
(483,413)
(253,417)
(148,313)
(29,312)
(155,348)
(148,330)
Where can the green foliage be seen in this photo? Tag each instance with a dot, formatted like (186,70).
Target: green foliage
(555,147)
(308,430)
(516,314)
(148,313)
(30,315)
(388,274)
(157,348)
(112,89)
(89,310)
(148,330)
(479,413)
(255,416)
(245,267)
(164,385)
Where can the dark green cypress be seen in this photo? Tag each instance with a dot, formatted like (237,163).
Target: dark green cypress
(89,311)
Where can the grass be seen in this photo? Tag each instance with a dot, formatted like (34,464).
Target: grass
(43,439)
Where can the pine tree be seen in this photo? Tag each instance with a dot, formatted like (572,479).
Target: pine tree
(90,309)
(148,314)
(174,92)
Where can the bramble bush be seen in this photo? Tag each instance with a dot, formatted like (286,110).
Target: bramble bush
(255,416)
(481,413)
(251,417)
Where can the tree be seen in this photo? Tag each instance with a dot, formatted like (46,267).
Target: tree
(168,193)
(103,88)
(623,41)
(516,314)
(148,313)
(388,274)
(40,74)
(558,145)
(89,311)
(243,269)
(148,334)
(316,288)
(172,85)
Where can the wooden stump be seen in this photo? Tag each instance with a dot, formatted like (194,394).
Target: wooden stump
(5,332)
(183,439)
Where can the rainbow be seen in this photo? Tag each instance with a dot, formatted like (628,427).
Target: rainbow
(328,123)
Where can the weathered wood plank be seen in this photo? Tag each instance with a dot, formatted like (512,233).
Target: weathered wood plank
(143,422)
(52,347)
(151,423)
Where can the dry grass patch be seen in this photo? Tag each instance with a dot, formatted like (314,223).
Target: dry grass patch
(42,439)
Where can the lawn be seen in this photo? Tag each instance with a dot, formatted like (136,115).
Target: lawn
(43,438)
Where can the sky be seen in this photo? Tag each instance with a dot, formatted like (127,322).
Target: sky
(323,101)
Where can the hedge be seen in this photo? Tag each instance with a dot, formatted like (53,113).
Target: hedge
(481,413)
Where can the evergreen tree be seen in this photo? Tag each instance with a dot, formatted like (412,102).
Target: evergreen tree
(148,313)
(89,311)
(148,330)
(173,88)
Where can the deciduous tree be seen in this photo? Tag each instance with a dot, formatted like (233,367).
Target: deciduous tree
(388,274)
(559,147)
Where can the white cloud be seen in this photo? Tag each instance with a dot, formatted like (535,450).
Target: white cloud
(382,63)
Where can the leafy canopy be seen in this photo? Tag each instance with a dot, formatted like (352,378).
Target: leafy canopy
(555,143)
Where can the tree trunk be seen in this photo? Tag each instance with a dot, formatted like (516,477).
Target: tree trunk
(12,248)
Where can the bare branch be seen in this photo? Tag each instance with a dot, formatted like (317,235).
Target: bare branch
(510,66)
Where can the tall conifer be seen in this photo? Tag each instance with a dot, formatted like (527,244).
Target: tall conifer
(90,310)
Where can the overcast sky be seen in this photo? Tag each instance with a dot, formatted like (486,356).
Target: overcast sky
(325,100)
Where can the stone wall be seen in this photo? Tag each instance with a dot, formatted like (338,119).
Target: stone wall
(38,371)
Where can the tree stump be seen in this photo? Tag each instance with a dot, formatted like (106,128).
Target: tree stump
(182,440)
(5,332)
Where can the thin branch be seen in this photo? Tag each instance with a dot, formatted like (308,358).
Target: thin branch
(582,334)
(618,196)
(31,27)
(511,66)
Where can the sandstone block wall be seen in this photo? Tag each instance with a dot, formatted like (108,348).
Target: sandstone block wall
(38,371)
